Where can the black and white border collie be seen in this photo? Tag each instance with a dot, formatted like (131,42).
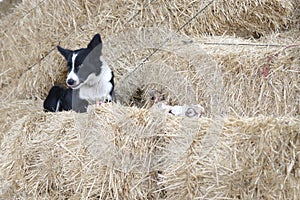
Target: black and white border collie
(89,81)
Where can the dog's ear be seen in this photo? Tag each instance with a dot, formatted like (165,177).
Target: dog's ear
(95,41)
(65,52)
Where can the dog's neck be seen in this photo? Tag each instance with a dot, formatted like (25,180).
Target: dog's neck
(98,88)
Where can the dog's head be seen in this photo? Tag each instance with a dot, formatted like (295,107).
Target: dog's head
(83,63)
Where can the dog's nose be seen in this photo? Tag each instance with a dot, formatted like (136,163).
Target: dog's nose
(70,82)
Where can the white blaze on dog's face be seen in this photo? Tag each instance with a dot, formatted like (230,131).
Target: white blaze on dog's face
(72,79)
(83,64)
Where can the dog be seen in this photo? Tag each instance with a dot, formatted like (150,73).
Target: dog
(159,103)
(90,80)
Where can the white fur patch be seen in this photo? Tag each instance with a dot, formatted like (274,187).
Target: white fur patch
(97,88)
(72,74)
(57,106)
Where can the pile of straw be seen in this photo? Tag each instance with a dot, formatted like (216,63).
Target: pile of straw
(239,60)
(6,6)
(121,152)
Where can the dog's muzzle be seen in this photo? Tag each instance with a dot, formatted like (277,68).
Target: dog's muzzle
(70,82)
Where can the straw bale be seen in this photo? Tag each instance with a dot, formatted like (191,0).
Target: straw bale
(31,33)
(254,158)
(246,146)
(259,80)
(15,110)
(250,78)
(116,152)
(7,6)
(187,74)
(69,155)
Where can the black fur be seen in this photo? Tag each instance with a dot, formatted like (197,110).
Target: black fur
(58,99)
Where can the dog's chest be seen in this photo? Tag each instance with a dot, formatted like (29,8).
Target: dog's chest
(97,88)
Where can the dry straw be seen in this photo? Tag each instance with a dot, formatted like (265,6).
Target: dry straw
(240,60)
(124,152)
